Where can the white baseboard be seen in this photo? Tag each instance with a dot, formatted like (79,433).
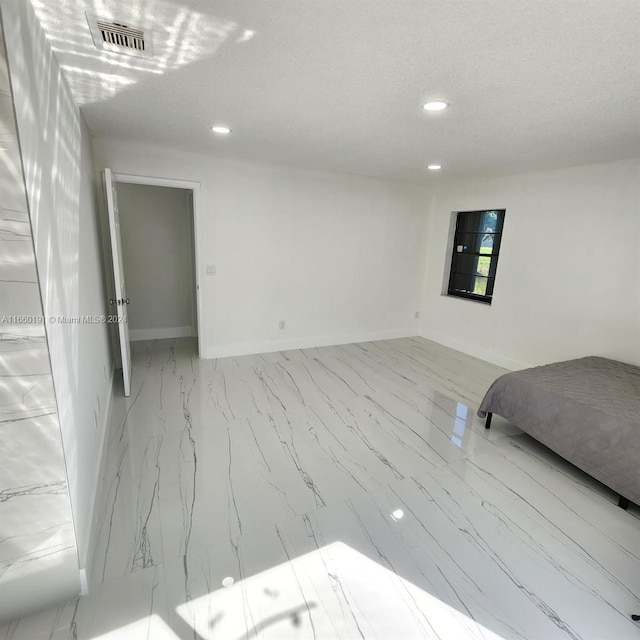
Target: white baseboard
(269,346)
(474,350)
(160,334)
(85,554)
(84,583)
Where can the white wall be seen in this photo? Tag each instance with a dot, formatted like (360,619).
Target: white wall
(338,257)
(568,274)
(59,173)
(157,239)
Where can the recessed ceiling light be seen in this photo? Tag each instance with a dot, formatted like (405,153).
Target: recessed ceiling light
(397,514)
(434,167)
(228,581)
(436,105)
(247,34)
(220,129)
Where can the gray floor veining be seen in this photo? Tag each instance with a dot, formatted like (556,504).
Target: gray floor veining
(341,492)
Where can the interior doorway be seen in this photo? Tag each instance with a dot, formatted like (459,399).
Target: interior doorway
(158,224)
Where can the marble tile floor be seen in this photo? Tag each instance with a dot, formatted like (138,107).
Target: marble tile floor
(342,492)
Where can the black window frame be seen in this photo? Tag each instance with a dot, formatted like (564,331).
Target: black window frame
(467,243)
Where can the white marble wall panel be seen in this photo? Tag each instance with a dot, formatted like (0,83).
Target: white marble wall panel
(5,85)
(38,555)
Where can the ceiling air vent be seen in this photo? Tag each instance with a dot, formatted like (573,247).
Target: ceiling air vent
(119,37)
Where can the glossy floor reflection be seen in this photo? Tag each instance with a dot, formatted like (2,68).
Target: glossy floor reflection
(341,492)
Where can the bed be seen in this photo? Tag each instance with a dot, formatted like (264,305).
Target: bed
(586,410)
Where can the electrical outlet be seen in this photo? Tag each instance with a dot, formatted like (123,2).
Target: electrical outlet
(282,325)
(417,315)
(211,269)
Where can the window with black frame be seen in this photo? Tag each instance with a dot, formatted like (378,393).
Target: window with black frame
(474,260)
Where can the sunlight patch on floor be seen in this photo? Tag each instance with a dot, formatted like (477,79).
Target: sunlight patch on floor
(333,590)
(152,627)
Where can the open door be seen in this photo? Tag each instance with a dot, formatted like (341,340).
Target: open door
(120,301)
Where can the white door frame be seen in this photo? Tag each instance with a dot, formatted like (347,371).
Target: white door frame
(194,187)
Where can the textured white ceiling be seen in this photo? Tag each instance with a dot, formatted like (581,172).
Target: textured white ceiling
(338,84)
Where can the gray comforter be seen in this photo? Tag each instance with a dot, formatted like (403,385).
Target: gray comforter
(586,410)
